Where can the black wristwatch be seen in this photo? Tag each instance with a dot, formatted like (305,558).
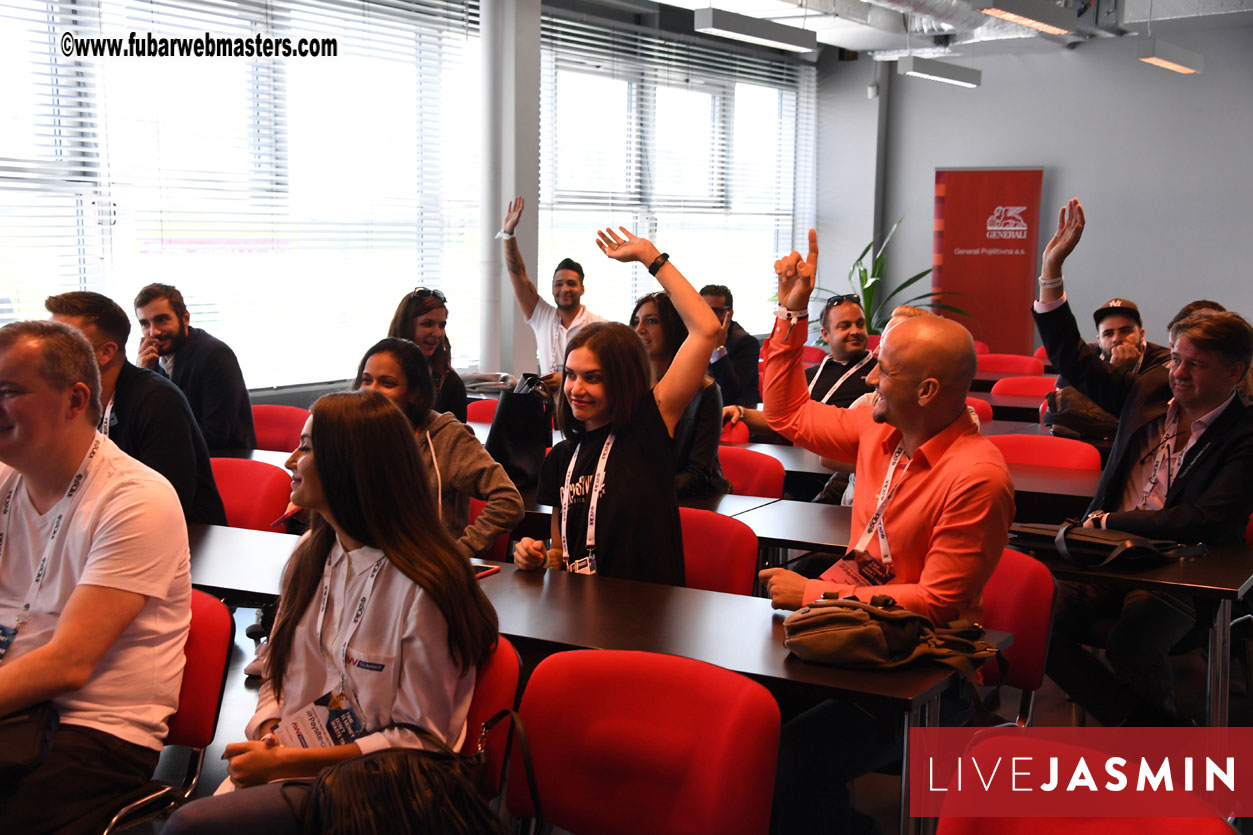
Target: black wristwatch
(654,267)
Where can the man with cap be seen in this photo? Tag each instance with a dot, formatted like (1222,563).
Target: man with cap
(1178,469)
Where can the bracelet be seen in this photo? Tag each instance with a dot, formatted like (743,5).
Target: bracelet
(658,263)
(741,408)
(1051,282)
(782,312)
(502,235)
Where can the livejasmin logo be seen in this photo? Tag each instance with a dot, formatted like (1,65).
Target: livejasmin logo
(1081,772)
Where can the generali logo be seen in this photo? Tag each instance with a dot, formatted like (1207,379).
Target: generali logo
(1006,222)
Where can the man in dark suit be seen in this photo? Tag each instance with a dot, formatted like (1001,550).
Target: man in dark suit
(144,414)
(734,362)
(1178,469)
(203,367)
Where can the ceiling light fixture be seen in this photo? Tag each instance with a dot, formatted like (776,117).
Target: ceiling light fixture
(1041,15)
(939,71)
(724,24)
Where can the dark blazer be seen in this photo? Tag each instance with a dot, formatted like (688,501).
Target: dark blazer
(736,373)
(152,423)
(206,370)
(1209,499)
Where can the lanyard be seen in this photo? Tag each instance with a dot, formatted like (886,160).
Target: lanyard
(849,373)
(886,492)
(1165,452)
(366,594)
(587,565)
(76,485)
(558,363)
(104,419)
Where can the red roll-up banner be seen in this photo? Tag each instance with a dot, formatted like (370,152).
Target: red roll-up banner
(987,228)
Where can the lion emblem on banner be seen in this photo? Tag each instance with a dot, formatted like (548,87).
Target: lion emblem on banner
(1007,222)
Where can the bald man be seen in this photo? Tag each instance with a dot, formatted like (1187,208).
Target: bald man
(933,498)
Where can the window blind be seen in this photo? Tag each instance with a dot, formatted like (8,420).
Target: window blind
(293,200)
(707,151)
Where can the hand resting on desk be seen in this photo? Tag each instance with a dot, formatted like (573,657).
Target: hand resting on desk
(786,588)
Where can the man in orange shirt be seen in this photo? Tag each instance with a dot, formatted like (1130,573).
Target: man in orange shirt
(933,498)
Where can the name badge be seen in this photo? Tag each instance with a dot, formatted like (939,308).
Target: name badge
(326,721)
(859,570)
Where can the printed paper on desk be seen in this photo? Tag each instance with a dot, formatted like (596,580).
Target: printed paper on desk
(326,721)
(861,570)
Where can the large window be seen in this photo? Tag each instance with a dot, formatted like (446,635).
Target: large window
(292,200)
(709,152)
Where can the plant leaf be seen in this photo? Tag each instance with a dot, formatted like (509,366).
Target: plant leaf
(888,236)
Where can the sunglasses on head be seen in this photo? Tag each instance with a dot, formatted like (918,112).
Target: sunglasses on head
(422,293)
(839,299)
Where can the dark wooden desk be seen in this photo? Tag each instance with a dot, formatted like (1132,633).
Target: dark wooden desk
(1012,427)
(241,566)
(1225,574)
(1011,406)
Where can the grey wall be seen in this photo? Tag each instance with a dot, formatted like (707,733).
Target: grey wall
(1161,162)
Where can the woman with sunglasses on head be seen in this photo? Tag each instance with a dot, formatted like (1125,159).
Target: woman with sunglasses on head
(611,483)
(458,468)
(698,431)
(380,629)
(422,317)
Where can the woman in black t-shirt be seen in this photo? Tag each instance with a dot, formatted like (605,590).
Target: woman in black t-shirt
(699,430)
(611,483)
(422,318)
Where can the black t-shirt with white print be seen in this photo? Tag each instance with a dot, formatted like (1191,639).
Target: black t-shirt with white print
(637,517)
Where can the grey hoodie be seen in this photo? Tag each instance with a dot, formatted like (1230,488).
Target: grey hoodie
(465,470)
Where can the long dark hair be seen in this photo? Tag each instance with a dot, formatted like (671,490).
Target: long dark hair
(369,467)
(411,308)
(671,323)
(417,374)
(624,367)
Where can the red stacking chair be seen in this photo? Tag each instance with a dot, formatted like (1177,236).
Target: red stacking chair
(499,550)
(278,427)
(1018,598)
(734,433)
(255,493)
(982,408)
(207,654)
(719,553)
(982,347)
(1047,451)
(813,354)
(1011,363)
(872,341)
(1025,386)
(481,411)
(1042,355)
(752,473)
(631,742)
(495,689)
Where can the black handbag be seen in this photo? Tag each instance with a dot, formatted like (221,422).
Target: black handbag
(522,431)
(1096,547)
(25,737)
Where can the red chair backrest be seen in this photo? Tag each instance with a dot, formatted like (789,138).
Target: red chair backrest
(1041,354)
(207,653)
(255,493)
(872,341)
(812,353)
(278,427)
(495,689)
(981,347)
(982,408)
(1012,363)
(631,742)
(481,411)
(734,433)
(719,553)
(1018,598)
(1025,386)
(499,550)
(1047,451)
(752,473)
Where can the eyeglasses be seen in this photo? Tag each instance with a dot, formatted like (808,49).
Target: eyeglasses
(422,293)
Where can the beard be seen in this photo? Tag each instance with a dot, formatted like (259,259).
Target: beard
(176,341)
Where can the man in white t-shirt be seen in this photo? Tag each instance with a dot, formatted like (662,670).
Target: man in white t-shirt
(95,544)
(553,326)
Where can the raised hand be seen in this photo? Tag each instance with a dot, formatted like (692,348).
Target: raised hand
(723,328)
(1070,222)
(797,275)
(626,247)
(513,214)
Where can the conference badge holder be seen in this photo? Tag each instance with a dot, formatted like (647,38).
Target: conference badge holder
(326,721)
(861,569)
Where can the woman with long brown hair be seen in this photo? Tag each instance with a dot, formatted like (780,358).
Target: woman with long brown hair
(422,318)
(380,627)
